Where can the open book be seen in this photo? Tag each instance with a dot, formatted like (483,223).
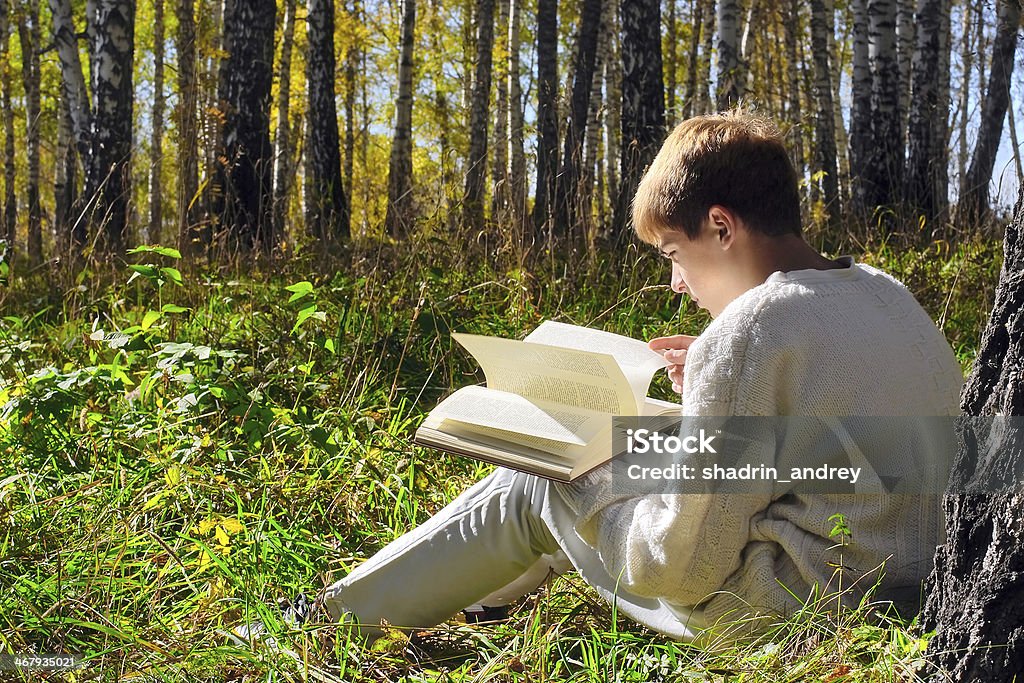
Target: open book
(549,401)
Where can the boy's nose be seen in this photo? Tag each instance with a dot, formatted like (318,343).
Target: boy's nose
(678,285)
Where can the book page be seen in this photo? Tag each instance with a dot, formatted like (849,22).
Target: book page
(580,379)
(637,361)
(511,413)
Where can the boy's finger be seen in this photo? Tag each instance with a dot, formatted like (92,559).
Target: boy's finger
(678,342)
(676,356)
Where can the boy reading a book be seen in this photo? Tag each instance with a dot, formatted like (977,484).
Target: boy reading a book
(794,333)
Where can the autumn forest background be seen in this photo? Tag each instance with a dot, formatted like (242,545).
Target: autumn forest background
(235,238)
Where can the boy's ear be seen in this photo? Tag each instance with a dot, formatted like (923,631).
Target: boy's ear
(723,223)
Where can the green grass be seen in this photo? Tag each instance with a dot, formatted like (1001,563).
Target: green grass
(180,449)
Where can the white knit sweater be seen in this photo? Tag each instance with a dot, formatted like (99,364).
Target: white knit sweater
(842,342)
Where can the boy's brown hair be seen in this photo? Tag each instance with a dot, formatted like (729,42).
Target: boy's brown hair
(735,159)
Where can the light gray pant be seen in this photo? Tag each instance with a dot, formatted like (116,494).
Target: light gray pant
(489,546)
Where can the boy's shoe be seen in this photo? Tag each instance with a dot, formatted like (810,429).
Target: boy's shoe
(294,613)
(482,614)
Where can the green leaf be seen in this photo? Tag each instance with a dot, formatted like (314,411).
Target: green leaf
(172,274)
(173,308)
(304,315)
(329,344)
(155,249)
(147,270)
(150,318)
(299,290)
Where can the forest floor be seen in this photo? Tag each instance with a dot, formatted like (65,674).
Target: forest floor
(182,446)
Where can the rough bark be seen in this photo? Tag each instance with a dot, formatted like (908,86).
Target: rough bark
(906,34)
(974,591)
(791,22)
(327,211)
(697,21)
(860,107)
(884,171)
(517,154)
(613,99)
(399,218)
(710,29)
(730,81)
(283,151)
(476,168)
(643,100)
(547,114)
(824,122)
(108,166)
(499,158)
(974,200)
(156,140)
(186,122)
(65,184)
(352,59)
(28,30)
(569,191)
(9,215)
(927,160)
(966,60)
(245,162)
(671,62)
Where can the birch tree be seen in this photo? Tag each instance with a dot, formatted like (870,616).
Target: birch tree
(973,602)
(824,123)
(884,172)
(547,114)
(245,159)
(400,201)
(327,208)
(860,107)
(517,154)
(185,120)
(476,168)
(974,194)
(9,215)
(730,81)
(30,35)
(156,133)
(643,99)
(928,157)
(569,191)
(283,165)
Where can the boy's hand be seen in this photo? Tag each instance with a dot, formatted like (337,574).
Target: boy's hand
(674,350)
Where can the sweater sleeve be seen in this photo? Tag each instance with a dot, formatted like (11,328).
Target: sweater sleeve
(672,542)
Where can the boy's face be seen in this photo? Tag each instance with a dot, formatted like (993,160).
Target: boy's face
(709,268)
(696,267)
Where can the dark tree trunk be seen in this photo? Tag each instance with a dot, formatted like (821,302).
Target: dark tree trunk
(928,157)
(860,108)
(283,165)
(29,32)
(547,114)
(352,59)
(517,154)
(246,159)
(730,75)
(671,62)
(824,123)
(65,186)
(974,591)
(883,173)
(327,214)
(108,167)
(499,158)
(188,125)
(9,215)
(156,154)
(974,198)
(569,193)
(692,98)
(643,100)
(476,166)
(400,212)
